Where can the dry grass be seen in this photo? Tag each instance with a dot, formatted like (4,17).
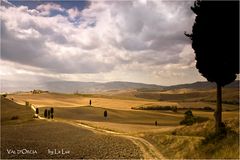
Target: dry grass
(186,143)
(42,135)
(138,118)
(174,147)
(171,140)
(9,110)
(126,99)
(225,115)
(63,100)
(132,129)
(191,95)
(189,141)
(125,120)
(201,104)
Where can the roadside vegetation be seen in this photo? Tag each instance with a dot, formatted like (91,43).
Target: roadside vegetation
(199,141)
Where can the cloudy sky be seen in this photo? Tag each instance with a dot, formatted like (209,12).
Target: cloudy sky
(137,41)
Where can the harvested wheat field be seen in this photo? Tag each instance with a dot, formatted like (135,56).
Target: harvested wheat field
(40,137)
(80,130)
(70,100)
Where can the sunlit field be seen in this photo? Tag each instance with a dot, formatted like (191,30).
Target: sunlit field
(145,128)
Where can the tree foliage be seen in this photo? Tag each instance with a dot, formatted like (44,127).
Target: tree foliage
(189,119)
(215,40)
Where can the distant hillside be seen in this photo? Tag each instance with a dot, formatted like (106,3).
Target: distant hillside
(201,85)
(92,87)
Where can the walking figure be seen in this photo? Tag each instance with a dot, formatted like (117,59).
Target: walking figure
(90,102)
(156,123)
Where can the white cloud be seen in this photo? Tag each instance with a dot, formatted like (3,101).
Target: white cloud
(124,40)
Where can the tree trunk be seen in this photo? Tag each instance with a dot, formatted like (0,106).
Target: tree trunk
(218,114)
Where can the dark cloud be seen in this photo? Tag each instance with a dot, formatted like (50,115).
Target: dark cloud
(155,26)
(34,52)
(24,51)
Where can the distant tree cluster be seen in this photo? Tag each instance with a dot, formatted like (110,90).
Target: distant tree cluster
(48,113)
(189,119)
(206,108)
(170,108)
(38,91)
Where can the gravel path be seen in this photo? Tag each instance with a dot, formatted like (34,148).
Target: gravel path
(43,137)
(148,150)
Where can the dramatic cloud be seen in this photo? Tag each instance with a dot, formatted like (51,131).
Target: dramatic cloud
(112,39)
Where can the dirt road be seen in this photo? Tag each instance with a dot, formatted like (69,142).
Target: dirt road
(147,149)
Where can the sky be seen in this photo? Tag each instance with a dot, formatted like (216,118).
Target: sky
(96,41)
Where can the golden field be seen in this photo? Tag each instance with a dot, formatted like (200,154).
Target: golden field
(135,128)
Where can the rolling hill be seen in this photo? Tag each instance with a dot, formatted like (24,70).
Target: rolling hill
(93,87)
(201,85)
